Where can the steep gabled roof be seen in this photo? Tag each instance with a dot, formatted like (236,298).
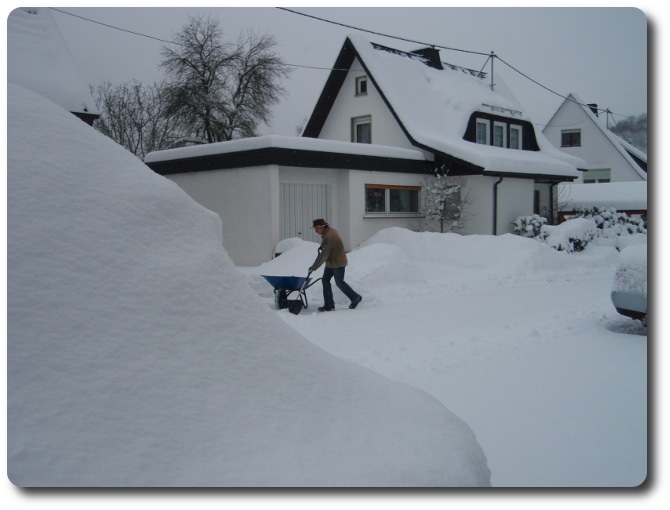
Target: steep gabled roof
(433,105)
(38,59)
(636,158)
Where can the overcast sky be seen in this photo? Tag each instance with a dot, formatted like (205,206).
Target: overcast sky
(599,54)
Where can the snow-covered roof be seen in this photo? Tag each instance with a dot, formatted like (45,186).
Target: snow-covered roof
(38,59)
(620,195)
(283,142)
(434,106)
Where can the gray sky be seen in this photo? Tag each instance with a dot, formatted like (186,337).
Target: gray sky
(600,54)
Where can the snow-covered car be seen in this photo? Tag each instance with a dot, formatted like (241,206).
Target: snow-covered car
(629,290)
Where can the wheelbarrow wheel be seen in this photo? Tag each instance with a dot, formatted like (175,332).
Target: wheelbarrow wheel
(281,298)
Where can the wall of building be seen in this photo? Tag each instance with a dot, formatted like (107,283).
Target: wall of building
(247,200)
(515,198)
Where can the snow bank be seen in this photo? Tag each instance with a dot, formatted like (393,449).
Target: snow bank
(138,355)
(396,265)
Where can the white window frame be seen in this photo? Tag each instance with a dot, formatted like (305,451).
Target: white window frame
(519,130)
(360,81)
(503,129)
(359,121)
(487,123)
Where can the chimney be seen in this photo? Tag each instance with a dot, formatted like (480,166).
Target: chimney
(594,108)
(432,55)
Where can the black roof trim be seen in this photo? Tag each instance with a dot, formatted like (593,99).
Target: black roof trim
(330,90)
(542,178)
(289,157)
(640,162)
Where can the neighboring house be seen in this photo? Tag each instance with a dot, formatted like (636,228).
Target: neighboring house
(576,129)
(385,121)
(38,59)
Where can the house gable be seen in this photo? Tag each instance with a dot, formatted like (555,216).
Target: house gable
(598,146)
(434,105)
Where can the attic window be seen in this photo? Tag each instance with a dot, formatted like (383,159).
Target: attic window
(571,138)
(361,129)
(361,86)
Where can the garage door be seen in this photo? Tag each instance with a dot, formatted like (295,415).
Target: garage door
(300,203)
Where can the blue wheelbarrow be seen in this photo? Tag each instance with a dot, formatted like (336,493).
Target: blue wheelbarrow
(285,286)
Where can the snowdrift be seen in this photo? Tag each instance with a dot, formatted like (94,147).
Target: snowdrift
(139,356)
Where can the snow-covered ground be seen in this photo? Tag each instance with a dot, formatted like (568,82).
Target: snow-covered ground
(137,354)
(518,339)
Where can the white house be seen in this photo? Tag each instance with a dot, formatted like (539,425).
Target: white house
(38,59)
(576,129)
(385,121)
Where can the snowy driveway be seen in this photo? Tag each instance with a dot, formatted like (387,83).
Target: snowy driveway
(550,378)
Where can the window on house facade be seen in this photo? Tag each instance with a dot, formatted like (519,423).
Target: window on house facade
(483,127)
(499,134)
(361,129)
(597,175)
(571,138)
(361,85)
(381,199)
(500,131)
(515,137)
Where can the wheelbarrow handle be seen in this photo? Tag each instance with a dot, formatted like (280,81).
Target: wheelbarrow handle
(304,284)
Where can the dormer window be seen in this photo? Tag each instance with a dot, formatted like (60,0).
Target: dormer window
(515,137)
(498,131)
(483,128)
(361,86)
(499,134)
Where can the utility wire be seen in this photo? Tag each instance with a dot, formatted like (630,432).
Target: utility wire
(488,55)
(113,27)
(380,33)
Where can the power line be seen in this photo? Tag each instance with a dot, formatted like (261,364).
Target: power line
(488,55)
(380,33)
(112,27)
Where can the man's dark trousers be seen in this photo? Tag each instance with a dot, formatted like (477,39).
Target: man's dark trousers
(338,273)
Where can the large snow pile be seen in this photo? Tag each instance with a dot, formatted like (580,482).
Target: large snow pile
(139,356)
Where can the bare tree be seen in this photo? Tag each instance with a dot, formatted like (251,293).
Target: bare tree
(222,91)
(135,116)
